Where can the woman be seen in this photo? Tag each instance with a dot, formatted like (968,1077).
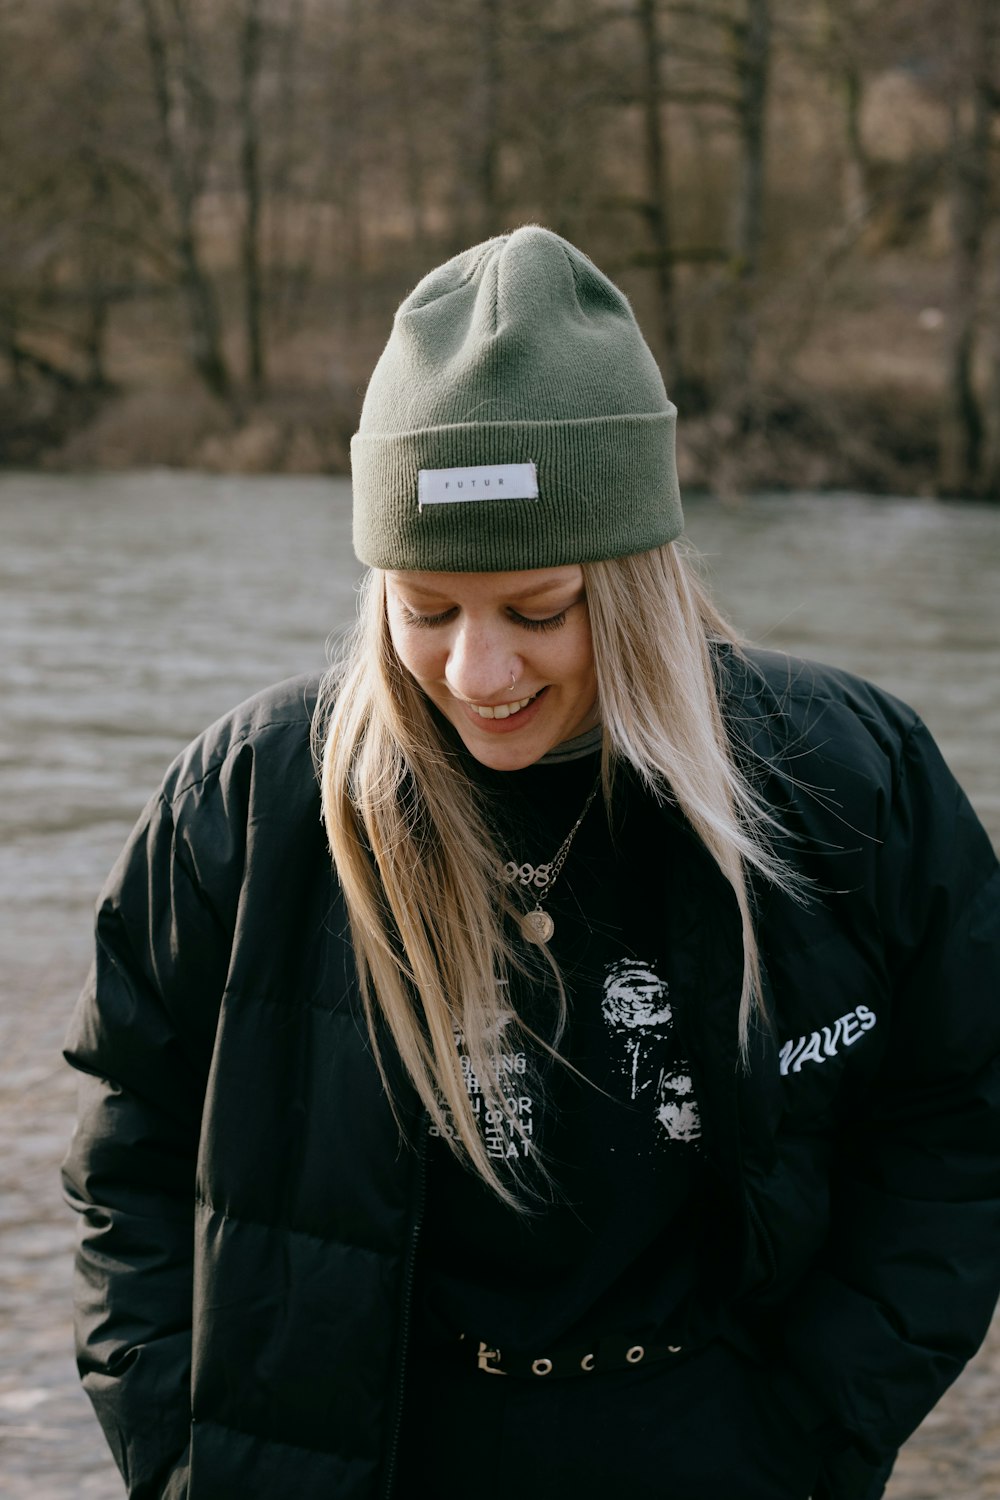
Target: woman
(637,1045)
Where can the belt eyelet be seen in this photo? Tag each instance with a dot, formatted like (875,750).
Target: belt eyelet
(541,1366)
(634,1354)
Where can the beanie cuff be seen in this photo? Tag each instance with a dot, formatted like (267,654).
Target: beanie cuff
(607,488)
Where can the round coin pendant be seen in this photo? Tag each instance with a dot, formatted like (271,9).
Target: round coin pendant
(537,926)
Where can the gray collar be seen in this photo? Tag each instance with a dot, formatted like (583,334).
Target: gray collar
(575,749)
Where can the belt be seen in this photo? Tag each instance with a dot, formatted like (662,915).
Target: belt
(565,1362)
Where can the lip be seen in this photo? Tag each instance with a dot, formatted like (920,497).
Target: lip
(505,726)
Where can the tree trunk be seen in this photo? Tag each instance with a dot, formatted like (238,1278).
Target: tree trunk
(207,354)
(857,173)
(253,292)
(406,74)
(97,289)
(10,344)
(352,250)
(844,45)
(751,66)
(488,174)
(282,186)
(972,116)
(657,173)
(95,337)
(990,487)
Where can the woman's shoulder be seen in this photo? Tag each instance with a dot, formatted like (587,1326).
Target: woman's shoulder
(784,707)
(243,796)
(268,734)
(833,751)
(775,683)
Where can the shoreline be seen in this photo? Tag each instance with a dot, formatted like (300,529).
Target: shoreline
(883,443)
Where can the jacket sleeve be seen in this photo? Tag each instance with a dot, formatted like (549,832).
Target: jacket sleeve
(141,1036)
(904,1292)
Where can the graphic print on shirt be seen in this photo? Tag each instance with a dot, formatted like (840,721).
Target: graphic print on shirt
(504,1135)
(640,1021)
(643,1049)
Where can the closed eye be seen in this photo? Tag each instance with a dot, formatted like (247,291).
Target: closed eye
(551,622)
(411,617)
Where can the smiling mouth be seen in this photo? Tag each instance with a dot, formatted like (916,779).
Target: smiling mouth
(502,710)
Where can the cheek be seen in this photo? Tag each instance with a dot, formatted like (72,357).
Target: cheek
(415,649)
(581,661)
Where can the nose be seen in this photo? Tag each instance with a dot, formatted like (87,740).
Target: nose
(481,666)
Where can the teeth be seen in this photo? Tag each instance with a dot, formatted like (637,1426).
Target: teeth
(502,710)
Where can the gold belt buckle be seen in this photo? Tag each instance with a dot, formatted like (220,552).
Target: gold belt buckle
(486,1357)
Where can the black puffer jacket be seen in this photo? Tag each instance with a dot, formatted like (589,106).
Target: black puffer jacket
(251,1212)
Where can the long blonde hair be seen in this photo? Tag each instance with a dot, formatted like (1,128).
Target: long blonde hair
(417,860)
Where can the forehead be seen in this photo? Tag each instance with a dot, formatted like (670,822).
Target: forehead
(470,588)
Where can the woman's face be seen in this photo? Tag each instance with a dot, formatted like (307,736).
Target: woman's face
(465,636)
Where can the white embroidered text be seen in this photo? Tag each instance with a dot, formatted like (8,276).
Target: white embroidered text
(827,1041)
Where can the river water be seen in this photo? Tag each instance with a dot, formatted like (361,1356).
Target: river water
(136,608)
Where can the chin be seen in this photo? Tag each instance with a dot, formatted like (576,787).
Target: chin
(505,754)
(503,757)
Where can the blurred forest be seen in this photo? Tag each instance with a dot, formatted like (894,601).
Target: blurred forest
(209,210)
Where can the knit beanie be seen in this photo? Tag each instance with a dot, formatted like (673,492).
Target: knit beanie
(516,419)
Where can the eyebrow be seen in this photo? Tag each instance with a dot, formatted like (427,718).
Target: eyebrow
(529,593)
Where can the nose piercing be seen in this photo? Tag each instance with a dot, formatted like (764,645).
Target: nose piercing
(513,679)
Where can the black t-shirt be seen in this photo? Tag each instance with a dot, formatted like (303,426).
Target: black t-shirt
(613,1248)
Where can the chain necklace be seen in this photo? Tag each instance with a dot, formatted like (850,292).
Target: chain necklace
(537,925)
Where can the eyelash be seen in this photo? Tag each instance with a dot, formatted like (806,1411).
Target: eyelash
(553,622)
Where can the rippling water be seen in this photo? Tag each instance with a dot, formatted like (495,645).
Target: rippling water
(136,608)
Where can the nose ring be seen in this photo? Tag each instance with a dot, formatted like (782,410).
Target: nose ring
(513,679)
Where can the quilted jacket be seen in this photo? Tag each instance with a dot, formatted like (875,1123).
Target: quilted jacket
(251,1206)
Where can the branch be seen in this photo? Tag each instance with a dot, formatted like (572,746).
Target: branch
(65,379)
(198,94)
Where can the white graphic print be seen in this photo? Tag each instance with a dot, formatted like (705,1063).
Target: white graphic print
(827,1042)
(643,1043)
(641,1022)
(502,1136)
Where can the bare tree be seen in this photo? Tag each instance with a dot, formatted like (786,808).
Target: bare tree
(252,190)
(68,199)
(973,107)
(185,113)
(750,40)
(657,172)
(490,126)
(278,175)
(845,34)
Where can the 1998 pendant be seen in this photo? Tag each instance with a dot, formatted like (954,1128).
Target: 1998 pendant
(537,926)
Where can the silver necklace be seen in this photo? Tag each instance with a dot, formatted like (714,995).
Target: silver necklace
(537,925)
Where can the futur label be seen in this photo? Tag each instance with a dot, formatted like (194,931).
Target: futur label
(477,482)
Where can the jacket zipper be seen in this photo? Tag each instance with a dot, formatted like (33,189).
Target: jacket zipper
(405,1320)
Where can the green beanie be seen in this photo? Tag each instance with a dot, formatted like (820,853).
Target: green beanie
(516,419)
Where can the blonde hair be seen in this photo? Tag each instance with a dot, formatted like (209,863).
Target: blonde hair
(432,951)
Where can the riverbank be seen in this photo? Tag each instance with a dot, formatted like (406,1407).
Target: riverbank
(798,437)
